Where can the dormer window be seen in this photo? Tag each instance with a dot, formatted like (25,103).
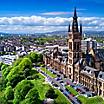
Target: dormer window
(88,71)
(84,69)
(100,75)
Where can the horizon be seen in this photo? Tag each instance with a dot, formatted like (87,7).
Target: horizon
(36,16)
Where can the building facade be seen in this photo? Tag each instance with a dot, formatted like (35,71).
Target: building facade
(73,64)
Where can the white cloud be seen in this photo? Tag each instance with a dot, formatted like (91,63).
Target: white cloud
(56,13)
(34,24)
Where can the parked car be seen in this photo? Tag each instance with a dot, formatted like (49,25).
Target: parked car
(56,86)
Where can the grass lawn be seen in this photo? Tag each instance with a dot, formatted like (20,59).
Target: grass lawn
(93,100)
(72,90)
(43,87)
(61,99)
(49,73)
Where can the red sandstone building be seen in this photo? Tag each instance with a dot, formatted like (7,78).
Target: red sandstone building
(81,68)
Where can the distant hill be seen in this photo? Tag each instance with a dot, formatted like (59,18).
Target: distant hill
(58,33)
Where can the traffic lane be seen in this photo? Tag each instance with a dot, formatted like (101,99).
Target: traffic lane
(66,93)
(66,80)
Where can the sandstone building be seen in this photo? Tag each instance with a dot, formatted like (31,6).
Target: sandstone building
(87,69)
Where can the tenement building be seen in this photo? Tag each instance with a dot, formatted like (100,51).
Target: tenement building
(85,68)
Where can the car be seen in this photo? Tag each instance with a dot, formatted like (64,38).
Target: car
(54,72)
(56,86)
(59,78)
(93,94)
(78,90)
(72,95)
(61,81)
(72,86)
(58,75)
(85,88)
(61,90)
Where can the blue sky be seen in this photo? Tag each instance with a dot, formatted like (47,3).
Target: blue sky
(35,7)
(45,15)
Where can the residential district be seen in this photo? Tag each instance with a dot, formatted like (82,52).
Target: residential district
(73,65)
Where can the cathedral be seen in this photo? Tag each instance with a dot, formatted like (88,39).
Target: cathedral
(86,69)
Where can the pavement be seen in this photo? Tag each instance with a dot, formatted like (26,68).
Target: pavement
(53,81)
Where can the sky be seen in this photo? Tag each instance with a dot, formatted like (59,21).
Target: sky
(38,16)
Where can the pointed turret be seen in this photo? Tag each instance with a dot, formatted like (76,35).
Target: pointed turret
(69,28)
(75,23)
(75,13)
(81,28)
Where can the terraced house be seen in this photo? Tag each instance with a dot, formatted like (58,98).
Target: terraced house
(85,68)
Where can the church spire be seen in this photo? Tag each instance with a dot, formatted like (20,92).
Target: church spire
(75,23)
(75,13)
(81,28)
(69,28)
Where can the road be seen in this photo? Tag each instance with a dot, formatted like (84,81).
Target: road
(66,79)
(74,100)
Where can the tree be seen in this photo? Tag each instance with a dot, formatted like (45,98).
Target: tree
(25,63)
(1,65)
(40,58)
(6,71)
(27,72)
(21,91)
(51,94)
(4,66)
(19,69)
(16,79)
(9,94)
(17,62)
(3,100)
(32,97)
(33,56)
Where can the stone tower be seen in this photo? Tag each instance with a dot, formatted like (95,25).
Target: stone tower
(74,45)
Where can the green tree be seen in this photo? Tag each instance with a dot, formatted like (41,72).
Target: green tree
(4,66)
(17,62)
(27,72)
(9,94)
(40,58)
(51,94)
(16,70)
(25,63)
(6,71)
(21,90)
(3,100)
(33,56)
(16,79)
(32,97)
(1,65)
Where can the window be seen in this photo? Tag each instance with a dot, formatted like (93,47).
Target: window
(77,55)
(75,46)
(70,54)
(70,45)
(70,61)
(74,55)
(69,70)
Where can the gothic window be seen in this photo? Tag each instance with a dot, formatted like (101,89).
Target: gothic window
(70,45)
(75,46)
(69,70)
(77,55)
(70,54)
(70,61)
(74,55)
